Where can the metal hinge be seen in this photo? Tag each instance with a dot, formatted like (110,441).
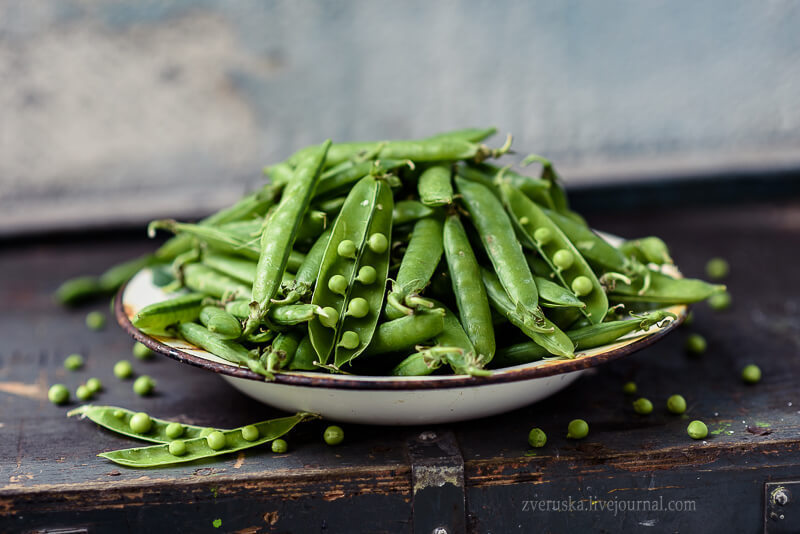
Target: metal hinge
(437,482)
(781,507)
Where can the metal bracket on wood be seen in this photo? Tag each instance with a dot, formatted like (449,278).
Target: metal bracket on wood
(437,483)
(781,506)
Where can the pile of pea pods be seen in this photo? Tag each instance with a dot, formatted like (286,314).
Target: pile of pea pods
(402,258)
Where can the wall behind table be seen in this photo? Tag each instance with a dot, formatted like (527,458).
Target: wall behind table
(112,112)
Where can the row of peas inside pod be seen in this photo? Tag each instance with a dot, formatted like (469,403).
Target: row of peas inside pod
(406,258)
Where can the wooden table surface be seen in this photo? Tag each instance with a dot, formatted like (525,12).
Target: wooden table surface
(50,477)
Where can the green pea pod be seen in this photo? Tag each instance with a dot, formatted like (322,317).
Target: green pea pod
(556,296)
(118,420)
(535,188)
(435,186)
(407,211)
(298,288)
(77,290)
(331,206)
(293,314)
(225,349)
(529,219)
(313,224)
(341,178)
(406,332)
(159,315)
(304,356)
(359,242)
(595,335)
(198,448)
(280,230)
(556,342)
(471,300)
(558,197)
(220,322)
(215,238)
(252,247)
(647,250)
(466,361)
(422,363)
(497,235)
(665,290)
(282,351)
(419,263)
(280,173)
(203,279)
(243,270)
(596,250)
(473,135)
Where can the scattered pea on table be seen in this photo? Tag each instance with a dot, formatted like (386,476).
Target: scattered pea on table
(537,438)
(144,385)
(123,369)
(720,301)
(94,385)
(751,374)
(142,351)
(697,430)
(83,392)
(696,344)
(73,362)
(676,404)
(629,388)
(642,406)
(95,320)
(577,429)
(279,446)
(58,394)
(333,435)
(717,268)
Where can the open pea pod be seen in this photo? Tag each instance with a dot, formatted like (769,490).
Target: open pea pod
(352,275)
(663,289)
(198,448)
(542,234)
(118,420)
(553,295)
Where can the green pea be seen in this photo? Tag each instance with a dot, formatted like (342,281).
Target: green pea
(751,374)
(141,423)
(142,351)
(250,433)
(177,447)
(206,432)
(717,268)
(123,369)
(350,340)
(563,259)
(279,446)
(696,344)
(577,429)
(174,430)
(676,404)
(378,243)
(338,284)
(119,414)
(358,307)
(216,440)
(329,317)
(95,320)
(582,286)
(73,362)
(367,275)
(537,438)
(720,301)
(333,435)
(697,430)
(83,393)
(94,385)
(629,388)
(144,385)
(542,235)
(58,394)
(346,249)
(642,406)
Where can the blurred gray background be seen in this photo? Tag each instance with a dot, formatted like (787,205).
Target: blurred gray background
(113,112)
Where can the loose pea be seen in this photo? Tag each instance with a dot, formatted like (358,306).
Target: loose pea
(73,362)
(537,438)
(338,284)
(676,404)
(563,259)
(358,307)
(720,301)
(279,446)
(83,393)
(141,423)
(378,243)
(174,430)
(216,440)
(642,406)
(250,433)
(542,235)
(58,394)
(577,429)
(697,430)
(333,435)
(94,385)
(141,351)
(144,385)
(629,388)
(177,447)
(367,275)
(123,369)
(205,432)
(95,320)
(717,268)
(582,286)
(751,374)
(696,344)
(329,317)
(346,249)
(350,340)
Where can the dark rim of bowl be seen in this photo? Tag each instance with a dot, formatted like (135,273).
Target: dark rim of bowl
(500,376)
